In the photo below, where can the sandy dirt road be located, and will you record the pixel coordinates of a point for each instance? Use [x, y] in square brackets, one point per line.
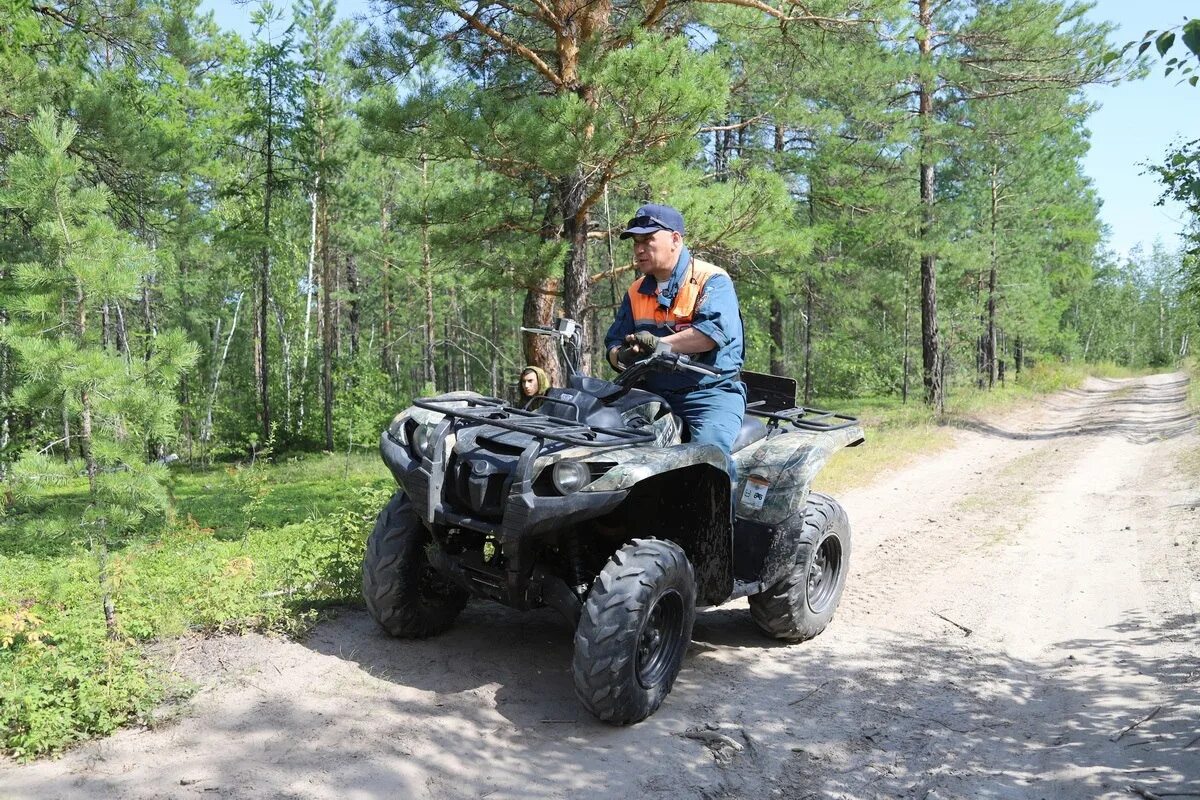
[1022, 620]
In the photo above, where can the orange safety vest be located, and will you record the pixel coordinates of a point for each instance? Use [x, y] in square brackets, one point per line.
[648, 312]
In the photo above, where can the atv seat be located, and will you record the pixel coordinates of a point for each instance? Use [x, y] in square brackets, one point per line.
[752, 430]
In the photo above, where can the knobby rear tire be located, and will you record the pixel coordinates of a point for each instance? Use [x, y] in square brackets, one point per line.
[803, 602]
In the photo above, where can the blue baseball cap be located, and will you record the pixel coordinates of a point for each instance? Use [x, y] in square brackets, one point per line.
[650, 218]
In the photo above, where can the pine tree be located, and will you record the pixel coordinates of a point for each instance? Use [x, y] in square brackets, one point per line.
[112, 404]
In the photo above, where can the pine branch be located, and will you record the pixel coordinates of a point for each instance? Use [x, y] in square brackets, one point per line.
[512, 44]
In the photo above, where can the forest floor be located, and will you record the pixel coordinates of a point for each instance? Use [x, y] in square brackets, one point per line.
[1021, 621]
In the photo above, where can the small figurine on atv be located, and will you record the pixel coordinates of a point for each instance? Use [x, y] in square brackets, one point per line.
[597, 506]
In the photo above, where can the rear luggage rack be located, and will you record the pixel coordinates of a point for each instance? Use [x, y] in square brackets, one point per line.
[809, 419]
[493, 411]
[773, 397]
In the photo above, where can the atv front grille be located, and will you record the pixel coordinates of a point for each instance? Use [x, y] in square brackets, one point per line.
[479, 483]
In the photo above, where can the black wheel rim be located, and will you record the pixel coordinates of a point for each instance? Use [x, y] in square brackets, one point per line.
[824, 573]
[660, 639]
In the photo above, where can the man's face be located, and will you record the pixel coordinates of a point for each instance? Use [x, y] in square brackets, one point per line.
[529, 384]
[656, 253]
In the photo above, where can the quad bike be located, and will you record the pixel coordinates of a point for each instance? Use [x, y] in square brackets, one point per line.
[595, 505]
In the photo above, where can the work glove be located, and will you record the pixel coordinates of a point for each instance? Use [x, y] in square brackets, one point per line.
[626, 355]
[643, 342]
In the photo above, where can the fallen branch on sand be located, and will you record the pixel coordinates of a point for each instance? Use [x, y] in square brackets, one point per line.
[962, 628]
[1117, 736]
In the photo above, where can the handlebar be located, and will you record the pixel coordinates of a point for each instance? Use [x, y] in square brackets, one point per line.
[683, 362]
[662, 359]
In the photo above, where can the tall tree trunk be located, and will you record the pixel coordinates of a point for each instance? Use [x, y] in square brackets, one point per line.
[447, 359]
[99, 541]
[907, 361]
[931, 354]
[981, 335]
[538, 312]
[494, 361]
[352, 288]
[990, 343]
[385, 277]
[206, 425]
[262, 371]
[285, 353]
[148, 312]
[990, 335]
[308, 307]
[429, 374]
[778, 367]
[122, 331]
[576, 285]
[809, 291]
[328, 321]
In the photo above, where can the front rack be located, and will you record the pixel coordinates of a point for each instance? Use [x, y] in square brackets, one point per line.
[494, 411]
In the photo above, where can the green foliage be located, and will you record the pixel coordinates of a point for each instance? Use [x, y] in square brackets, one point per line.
[330, 567]
[116, 404]
[1185, 63]
[62, 679]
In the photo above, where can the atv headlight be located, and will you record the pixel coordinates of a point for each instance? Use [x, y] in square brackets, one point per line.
[570, 476]
[421, 441]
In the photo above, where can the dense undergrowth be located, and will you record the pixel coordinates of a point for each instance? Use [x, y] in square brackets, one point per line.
[266, 548]
[261, 547]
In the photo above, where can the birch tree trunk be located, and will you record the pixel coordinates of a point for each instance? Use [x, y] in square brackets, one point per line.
[308, 306]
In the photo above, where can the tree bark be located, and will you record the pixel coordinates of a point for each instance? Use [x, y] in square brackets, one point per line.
[308, 306]
[809, 291]
[538, 312]
[989, 351]
[89, 459]
[385, 278]
[907, 360]
[262, 371]
[352, 288]
[778, 367]
[206, 425]
[428, 373]
[328, 321]
[931, 354]
[576, 286]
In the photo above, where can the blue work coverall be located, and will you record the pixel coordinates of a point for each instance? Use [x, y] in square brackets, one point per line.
[711, 406]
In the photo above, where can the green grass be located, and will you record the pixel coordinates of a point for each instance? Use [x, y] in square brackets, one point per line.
[261, 548]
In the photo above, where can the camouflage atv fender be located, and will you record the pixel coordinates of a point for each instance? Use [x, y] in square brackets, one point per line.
[632, 466]
[775, 475]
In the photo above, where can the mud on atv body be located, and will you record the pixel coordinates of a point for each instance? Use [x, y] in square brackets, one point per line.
[560, 506]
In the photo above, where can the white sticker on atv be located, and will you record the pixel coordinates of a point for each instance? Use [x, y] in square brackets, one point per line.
[755, 493]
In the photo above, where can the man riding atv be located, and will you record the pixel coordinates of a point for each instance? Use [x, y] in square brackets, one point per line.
[594, 503]
[691, 307]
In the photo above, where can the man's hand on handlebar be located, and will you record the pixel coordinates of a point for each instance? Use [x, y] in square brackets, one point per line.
[644, 343]
[626, 356]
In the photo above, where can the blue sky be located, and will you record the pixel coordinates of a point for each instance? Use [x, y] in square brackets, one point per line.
[1136, 123]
